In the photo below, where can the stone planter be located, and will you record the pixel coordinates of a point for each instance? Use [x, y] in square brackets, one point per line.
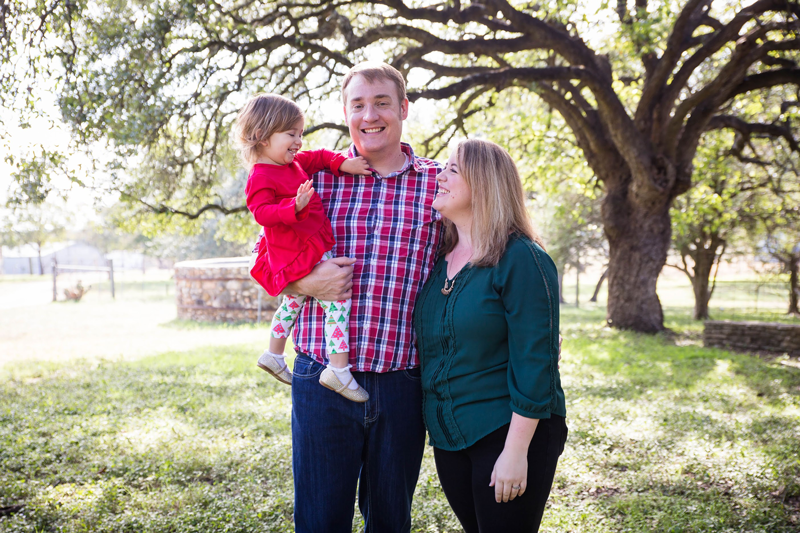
[753, 336]
[221, 290]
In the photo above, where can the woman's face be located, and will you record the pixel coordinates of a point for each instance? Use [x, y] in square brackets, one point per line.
[454, 198]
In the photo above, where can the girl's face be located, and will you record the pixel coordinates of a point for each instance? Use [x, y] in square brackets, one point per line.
[454, 196]
[282, 146]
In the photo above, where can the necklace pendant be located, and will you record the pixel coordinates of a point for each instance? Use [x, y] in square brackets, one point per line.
[448, 286]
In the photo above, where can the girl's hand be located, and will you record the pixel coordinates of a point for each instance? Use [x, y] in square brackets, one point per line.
[304, 193]
[510, 470]
[356, 165]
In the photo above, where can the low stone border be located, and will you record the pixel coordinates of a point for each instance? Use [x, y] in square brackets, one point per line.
[220, 290]
[753, 336]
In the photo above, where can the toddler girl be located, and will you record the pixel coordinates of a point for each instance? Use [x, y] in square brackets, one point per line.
[296, 234]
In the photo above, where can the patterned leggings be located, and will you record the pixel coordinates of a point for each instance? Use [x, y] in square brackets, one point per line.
[337, 319]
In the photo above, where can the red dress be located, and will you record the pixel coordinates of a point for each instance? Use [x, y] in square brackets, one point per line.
[293, 243]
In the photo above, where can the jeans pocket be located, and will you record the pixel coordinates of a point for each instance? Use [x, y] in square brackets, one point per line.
[413, 374]
[306, 368]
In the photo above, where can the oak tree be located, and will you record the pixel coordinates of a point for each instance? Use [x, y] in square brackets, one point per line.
[638, 92]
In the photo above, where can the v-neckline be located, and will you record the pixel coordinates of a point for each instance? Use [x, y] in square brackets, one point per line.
[446, 262]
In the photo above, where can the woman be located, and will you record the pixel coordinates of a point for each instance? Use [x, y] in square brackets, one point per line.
[487, 329]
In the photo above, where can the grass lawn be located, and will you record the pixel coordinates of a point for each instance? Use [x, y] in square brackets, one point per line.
[665, 435]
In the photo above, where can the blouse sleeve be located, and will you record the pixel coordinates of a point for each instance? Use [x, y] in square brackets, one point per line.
[312, 161]
[527, 281]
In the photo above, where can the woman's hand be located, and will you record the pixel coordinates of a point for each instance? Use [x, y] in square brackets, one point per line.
[355, 165]
[304, 193]
[509, 472]
[511, 468]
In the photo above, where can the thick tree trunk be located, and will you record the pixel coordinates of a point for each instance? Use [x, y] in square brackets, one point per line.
[703, 263]
[638, 239]
[794, 289]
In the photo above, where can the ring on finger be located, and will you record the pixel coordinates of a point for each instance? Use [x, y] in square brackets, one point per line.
[516, 487]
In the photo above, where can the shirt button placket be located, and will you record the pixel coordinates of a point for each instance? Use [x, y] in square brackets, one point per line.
[369, 251]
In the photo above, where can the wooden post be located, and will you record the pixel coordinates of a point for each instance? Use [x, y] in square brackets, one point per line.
[55, 275]
[111, 277]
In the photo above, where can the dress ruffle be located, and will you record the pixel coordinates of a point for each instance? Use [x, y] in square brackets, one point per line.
[303, 263]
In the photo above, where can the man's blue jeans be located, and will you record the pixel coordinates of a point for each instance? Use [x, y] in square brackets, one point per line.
[338, 444]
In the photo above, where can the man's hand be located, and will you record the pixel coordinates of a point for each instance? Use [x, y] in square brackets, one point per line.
[304, 193]
[355, 165]
[330, 280]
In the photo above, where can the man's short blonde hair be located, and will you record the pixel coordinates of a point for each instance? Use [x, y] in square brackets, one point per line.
[373, 71]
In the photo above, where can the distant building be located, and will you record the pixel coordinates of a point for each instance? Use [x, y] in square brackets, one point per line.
[25, 259]
[127, 260]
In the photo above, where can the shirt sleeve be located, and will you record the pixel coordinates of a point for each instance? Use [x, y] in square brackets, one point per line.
[527, 281]
[312, 161]
[268, 210]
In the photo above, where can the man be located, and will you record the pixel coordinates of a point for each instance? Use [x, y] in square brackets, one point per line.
[387, 236]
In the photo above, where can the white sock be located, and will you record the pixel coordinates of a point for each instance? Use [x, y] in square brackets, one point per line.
[279, 357]
[344, 376]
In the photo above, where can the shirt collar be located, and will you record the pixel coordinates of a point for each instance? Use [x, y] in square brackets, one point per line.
[411, 159]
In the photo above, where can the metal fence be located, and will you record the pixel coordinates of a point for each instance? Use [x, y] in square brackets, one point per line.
[109, 283]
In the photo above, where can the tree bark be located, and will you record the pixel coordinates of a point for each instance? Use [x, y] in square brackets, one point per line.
[703, 263]
[599, 284]
[638, 239]
[794, 290]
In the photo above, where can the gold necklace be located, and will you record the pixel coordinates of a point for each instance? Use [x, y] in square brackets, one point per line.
[450, 283]
[447, 289]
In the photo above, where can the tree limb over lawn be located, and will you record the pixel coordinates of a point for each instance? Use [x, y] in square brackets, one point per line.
[169, 83]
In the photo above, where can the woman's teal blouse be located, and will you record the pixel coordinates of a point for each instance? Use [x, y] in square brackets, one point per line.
[490, 348]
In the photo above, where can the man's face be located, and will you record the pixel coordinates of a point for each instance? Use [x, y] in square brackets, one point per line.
[375, 115]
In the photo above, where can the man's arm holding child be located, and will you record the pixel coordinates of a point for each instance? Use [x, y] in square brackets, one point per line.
[330, 280]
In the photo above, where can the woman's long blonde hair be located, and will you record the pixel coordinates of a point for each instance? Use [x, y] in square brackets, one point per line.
[498, 201]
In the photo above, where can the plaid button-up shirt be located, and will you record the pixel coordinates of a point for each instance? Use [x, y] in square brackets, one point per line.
[388, 225]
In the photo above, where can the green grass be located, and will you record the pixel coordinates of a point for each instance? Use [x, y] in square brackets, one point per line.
[665, 435]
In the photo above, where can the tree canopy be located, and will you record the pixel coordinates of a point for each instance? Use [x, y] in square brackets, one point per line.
[638, 85]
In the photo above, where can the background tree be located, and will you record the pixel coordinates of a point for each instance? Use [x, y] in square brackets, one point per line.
[162, 79]
[778, 237]
[785, 247]
[733, 191]
[573, 230]
[35, 225]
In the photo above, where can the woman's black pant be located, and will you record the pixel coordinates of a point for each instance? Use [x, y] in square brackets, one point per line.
[465, 477]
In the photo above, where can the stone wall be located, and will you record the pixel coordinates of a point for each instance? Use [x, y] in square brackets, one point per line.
[753, 336]
[220, 290]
